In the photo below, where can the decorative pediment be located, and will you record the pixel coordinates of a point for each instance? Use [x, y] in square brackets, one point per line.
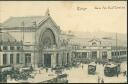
[94, 42]
[50, 22]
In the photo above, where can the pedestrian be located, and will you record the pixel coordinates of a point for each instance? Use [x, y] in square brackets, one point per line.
[98, 79]
[51, 69]
[103, 64]
[117, 74]
[102, 81]
[39, 71]
[46, 69]
[124, 73]
[96, 62]
[82, 66]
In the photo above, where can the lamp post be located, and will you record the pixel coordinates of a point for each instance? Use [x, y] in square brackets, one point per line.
[22, 29]
[117, 49]
[35, 26]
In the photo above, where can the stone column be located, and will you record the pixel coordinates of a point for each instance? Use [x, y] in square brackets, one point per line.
[32, 58]
[70, 57]
[62, 55]
[0, 59]
[41, 58]
[87, 54]
[90, 54]
[22, 56]
[14, 58]
[109, 56]
[8, 58]
[65, 57]
[60, 59]
[53, 59]
[98, 54]
[36, 60]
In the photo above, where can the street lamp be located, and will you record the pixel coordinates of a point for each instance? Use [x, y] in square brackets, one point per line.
[22, 41]
[35, 26]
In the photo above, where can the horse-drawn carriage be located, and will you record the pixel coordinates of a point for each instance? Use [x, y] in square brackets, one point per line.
[62, 78]
[4, 71]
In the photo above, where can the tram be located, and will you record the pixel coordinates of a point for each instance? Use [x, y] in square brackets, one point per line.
[111, 70]
[92, 68]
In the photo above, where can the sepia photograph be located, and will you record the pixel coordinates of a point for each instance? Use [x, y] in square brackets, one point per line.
[63, 41]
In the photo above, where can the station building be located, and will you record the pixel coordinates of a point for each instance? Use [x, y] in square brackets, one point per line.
[96, 49]
[38, 41]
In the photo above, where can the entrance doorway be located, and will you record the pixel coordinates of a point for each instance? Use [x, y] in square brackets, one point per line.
[104, 55]
[94, 54]
[67, 58]
[57, 59]
[47, 60]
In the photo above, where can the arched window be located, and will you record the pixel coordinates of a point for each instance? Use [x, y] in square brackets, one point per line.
[104, 55]
[11, 58]
[4, 59]
[94, 43]
[27, 58]
[17, 58]
[47, 39]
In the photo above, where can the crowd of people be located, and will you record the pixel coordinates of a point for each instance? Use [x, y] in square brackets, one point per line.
[25, 75]
[118, 72]
[16, 74]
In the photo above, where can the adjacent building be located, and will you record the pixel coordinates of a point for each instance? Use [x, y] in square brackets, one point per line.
[96, 49]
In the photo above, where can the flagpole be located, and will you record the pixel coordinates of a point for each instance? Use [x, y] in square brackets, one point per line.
[116, 46]
[35, 25]
[22, 37]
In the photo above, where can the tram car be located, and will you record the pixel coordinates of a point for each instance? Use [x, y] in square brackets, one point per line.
[92, 68]
[111, 70]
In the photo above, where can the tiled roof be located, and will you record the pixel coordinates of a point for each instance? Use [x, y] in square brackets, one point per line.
[7, 39]
[119, 47]
[107, 39]
[104, 42]
[18, 21]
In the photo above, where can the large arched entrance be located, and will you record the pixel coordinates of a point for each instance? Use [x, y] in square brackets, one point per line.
[47, 39]
[47, 43]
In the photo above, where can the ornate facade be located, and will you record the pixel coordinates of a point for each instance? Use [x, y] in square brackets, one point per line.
[96, 50]
[41, 38]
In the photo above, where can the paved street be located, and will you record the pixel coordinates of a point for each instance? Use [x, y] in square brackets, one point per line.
[79, 75]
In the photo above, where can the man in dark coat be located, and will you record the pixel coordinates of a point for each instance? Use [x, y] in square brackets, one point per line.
[98, 79]
[102, 81]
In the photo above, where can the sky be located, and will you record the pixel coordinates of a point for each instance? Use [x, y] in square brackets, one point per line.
[73, 15]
